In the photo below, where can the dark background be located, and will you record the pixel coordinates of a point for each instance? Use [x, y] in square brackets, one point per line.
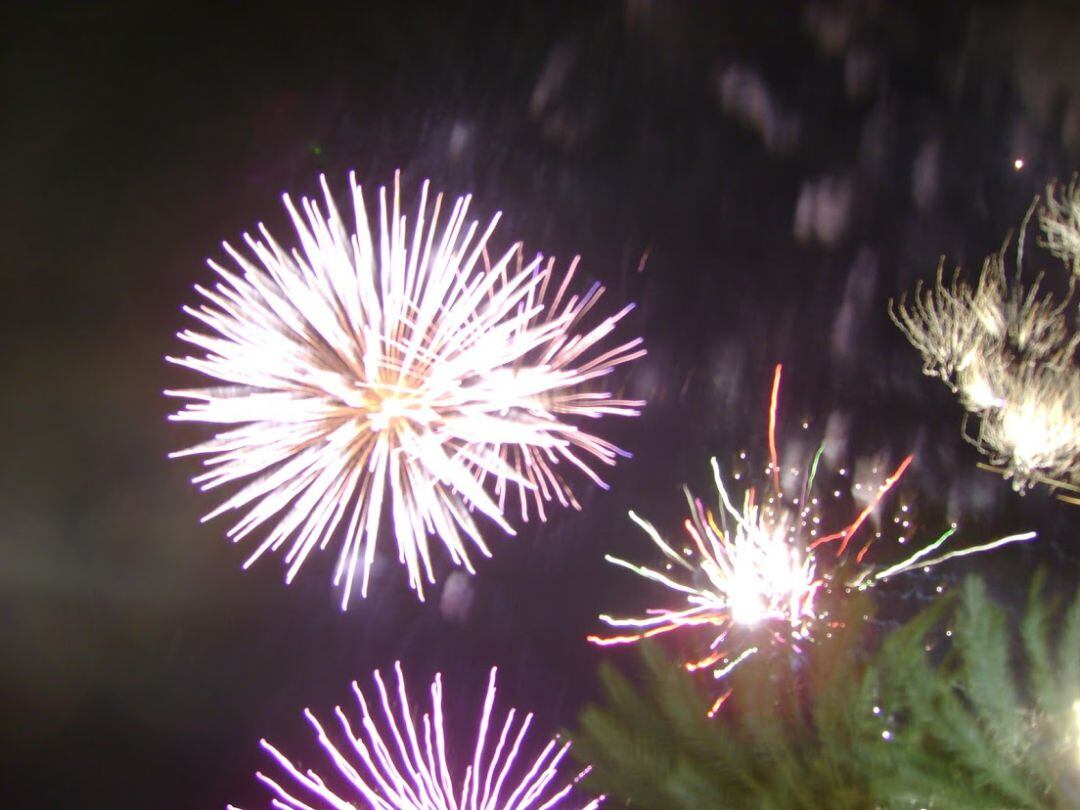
[138, 665]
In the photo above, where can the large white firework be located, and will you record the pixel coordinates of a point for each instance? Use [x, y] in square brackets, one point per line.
[406, 766]
[398, 366]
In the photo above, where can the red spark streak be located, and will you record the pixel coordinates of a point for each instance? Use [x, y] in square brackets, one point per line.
[719, 703]
[707, 661]
[849, 532]
[772, 427]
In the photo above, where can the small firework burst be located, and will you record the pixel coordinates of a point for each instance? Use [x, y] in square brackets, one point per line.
[748, 572]
[406, 766]
[403, 367]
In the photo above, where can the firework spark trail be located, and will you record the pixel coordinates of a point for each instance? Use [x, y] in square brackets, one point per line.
[718, 704]
[917, 560]
[405, 767]
[397, 371]
[773, 458]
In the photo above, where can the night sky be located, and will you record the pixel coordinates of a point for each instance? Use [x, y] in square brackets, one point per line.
[139, 666]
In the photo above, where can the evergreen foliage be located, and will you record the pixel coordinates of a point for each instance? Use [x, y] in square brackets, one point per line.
[960, 707]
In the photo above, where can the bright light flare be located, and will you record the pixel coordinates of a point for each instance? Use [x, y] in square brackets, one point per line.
[395, 369]
[404, 765]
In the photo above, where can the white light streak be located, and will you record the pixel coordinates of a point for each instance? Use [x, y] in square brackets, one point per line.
[917, 560]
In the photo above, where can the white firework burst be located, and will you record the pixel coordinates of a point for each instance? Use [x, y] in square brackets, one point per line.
[398, 366]
[1007, 349]
[406, 766]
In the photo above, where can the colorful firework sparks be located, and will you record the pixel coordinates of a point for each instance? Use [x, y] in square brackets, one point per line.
[759, 571]
[749, 571]
[405, 369]
[406, 766]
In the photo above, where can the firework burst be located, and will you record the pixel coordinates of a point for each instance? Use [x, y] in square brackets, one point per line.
[755, 577]
[406, 766]
[1007, 350]
[398, 366]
